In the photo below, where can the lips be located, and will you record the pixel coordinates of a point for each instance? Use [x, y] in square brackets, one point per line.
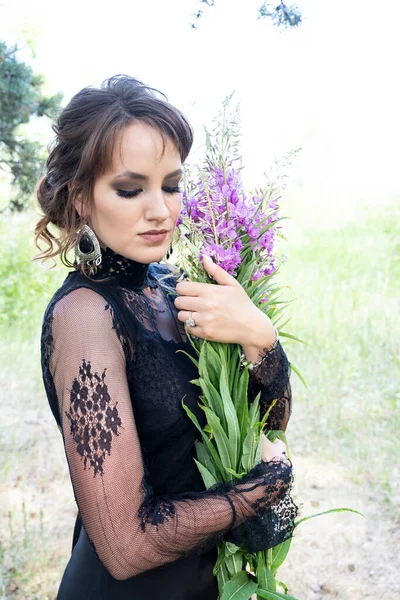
[154, 232]
[158, 237]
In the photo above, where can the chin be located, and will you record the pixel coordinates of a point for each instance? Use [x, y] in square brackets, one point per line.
[152, 255]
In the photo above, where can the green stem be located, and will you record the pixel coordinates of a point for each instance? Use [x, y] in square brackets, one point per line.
[211, 211]
[269, 557]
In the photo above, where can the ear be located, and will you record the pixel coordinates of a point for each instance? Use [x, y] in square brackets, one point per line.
[80, 206]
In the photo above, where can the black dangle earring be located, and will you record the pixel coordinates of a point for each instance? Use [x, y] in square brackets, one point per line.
[87, 249]
[169, 251]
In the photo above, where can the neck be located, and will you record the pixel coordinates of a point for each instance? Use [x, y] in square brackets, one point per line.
[121, 270]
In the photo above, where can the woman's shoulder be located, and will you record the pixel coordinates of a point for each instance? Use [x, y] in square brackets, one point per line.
[77, 296]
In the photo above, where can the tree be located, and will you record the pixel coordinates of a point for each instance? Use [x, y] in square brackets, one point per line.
[282, 14]
[21, 99]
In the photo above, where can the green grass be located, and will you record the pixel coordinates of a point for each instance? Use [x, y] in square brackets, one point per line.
[345, 281]
[27, 550]
[26, 286]
[346, 285]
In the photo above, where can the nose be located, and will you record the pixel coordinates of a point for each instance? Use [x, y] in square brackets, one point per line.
[157, 209]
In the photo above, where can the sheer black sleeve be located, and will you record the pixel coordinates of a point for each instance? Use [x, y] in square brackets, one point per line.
[132, 529]
[272, 379]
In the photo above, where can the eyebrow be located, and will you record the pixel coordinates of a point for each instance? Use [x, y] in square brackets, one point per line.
[140, 177]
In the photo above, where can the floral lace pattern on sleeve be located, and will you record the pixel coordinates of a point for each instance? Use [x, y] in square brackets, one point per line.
[93, 417]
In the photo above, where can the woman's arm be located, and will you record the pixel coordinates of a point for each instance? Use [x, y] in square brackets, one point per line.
[272, 379]
[131, 529]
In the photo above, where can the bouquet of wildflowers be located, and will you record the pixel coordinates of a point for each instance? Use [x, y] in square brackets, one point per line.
[238, 231]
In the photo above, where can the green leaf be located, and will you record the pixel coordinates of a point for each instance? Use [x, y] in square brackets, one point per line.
[196, 382]
[208, 479]
[235, 473]
[273, 595]
[240, 587]
[249, 446]
[264, 576]
[326, 512]
[254, 412]
[204, 457]
[212, 450]
[220, 437]
[282, 585]
[222, 351]
[234, 563]
[222, 578]
[279, 554]
[282, 325]
[232, 548]
[213, 364]
[214, 399]
[266, 217]
[194, 361]
[300, 376]
[202, 359]
[270, 580]
[241, 404]
[220, 559]
[267, 412]
[235, 368]
[259, 286]
[231, 418]
[269, 226]
[244, 277]
[238, 561]
[258, 449]
[293, 337]
[232, 374]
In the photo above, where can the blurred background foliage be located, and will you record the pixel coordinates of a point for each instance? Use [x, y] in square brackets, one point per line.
[340, 263]
[21, 101]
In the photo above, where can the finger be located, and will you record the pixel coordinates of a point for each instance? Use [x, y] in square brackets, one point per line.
[188, 303]
[192, 288]
[195, 330]
[218, 273]
[183, 315]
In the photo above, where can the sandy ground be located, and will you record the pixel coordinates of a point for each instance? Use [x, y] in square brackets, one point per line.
[342, 556]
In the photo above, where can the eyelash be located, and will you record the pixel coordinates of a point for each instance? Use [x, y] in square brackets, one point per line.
[132, 194]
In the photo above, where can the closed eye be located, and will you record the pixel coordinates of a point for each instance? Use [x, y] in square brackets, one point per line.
[133, 193]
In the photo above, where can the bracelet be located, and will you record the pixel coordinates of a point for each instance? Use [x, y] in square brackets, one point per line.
[251, 365]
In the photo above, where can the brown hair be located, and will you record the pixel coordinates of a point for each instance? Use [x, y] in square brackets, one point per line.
[85, 134]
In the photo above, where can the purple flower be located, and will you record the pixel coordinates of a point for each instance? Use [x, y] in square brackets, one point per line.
[222, 215]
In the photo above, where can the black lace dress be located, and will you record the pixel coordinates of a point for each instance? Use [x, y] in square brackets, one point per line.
[147, 529]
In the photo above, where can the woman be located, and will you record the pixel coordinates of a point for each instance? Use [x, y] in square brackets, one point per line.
[146, 527]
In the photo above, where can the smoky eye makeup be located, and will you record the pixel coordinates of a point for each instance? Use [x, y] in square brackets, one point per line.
[128, 185]
[125, 192]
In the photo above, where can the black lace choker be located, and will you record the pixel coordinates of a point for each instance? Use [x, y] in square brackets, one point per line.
[122, 270]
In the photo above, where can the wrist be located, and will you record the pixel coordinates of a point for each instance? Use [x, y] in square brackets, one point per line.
[256, 354]
[262, 335]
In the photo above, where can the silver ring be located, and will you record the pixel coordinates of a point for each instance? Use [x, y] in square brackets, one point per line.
[190, 322]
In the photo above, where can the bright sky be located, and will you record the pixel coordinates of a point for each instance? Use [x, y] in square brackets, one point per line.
[330, 86]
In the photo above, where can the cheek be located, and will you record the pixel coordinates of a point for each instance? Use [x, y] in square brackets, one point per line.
[176, 206]
[111, 208]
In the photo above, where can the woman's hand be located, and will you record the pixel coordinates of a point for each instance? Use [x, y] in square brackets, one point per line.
[270, 450]
[224, 312]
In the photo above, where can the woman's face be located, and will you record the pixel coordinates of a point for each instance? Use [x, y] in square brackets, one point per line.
[139, 194]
